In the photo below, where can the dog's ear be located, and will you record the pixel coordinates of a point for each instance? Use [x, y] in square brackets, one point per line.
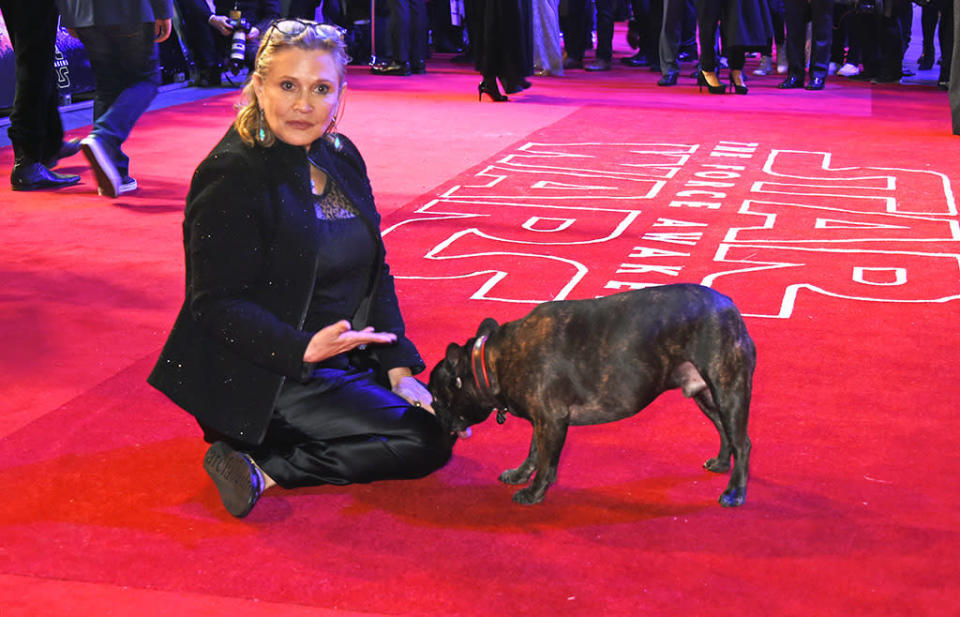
[453, 354]
[487, 326]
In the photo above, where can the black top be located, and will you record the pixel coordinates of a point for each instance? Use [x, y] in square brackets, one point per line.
[253, 256]
[347, 253]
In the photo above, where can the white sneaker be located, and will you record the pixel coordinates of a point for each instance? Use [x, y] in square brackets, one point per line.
[832, 68]
[766, 66]
[108, 178]
[127, 185]
[849, 70]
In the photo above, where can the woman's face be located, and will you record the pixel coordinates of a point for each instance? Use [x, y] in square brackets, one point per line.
[299, 95]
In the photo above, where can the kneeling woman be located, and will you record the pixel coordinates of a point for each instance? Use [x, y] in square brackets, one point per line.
[289, 299]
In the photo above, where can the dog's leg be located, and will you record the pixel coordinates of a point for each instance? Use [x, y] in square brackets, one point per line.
[549, 438]
[721, 462]
[733, 405]
[523, 473]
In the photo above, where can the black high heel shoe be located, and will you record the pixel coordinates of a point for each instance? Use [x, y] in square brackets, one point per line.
[740, 88]
[702, 81]
[492, 91]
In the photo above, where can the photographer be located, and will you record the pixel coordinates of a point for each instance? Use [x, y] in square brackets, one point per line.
[210, 34]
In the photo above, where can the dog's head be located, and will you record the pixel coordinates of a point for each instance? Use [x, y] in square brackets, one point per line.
[457, 400]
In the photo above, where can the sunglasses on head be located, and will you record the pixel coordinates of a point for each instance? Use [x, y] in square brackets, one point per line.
[295, 27]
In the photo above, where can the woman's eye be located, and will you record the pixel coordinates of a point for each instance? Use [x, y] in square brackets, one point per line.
[287, 85]
[323, 89]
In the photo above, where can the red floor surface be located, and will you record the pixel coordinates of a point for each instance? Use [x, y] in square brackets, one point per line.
[829, 217]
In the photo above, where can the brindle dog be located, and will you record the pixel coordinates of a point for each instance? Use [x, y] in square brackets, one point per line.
[581, 362]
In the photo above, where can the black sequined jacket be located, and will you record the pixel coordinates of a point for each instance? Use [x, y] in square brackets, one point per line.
[250, 243]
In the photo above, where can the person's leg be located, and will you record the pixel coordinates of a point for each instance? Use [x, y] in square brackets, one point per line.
[573, 16]
[708, 16]
[605, 9]
[35, 130]
[670, 33]
[796, 33]
[125, 65]
[400, 29]
[954, 82]
[946, 41]
[418, 35]
[355, 431]
[821, 37]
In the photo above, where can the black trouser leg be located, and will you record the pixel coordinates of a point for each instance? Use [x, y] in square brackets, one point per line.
[821, 36]
[35, 127]
[605, 17]
[708, 17]
[400, 29]
[356, 431]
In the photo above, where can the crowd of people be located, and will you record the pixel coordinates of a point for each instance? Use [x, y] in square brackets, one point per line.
[506, 40]
[812, 39]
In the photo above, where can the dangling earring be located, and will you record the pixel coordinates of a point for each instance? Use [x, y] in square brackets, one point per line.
[261, 133]
[332, 127]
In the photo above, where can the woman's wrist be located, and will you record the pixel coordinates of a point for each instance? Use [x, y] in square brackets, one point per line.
[396, 374]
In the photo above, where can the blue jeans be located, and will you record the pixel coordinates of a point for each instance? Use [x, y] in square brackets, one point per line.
[125, 64]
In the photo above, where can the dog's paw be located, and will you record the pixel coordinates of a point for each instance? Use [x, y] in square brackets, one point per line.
[717, 465]
[528, 496]
[733, 497]
[516, 476]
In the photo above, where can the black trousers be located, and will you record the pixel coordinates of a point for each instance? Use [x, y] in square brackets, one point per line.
[575, 25]
[821, 16]
[36, 130]
[343, 428]
[408, 30]
[708, 19]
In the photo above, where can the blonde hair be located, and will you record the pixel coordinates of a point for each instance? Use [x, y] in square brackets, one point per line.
[250, 123]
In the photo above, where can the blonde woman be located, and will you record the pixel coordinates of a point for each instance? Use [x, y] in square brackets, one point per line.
[283, 260]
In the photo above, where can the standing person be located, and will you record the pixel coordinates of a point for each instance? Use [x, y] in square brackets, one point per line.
[500, 49]
[408, 39]
[746, 25]
[821, 39]
[120, 38]
[36, 130]
[283, 252]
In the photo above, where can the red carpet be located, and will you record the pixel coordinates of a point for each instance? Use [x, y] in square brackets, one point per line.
[829, 217]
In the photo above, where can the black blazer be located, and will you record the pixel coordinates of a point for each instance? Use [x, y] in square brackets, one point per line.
[250, 243]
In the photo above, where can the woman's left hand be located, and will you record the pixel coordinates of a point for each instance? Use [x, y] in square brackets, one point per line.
[407, 386]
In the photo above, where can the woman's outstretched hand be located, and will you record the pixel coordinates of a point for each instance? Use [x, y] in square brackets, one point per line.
[338, 338]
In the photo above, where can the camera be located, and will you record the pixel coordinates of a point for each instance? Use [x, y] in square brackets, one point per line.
[238, 40]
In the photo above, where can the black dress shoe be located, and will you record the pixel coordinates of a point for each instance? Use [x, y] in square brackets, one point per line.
[418, 67]
[67, 149]
[816, 83]
[393, 68]
[236, 476]
[35, 177]
[668, 79]
[792, 81]
[637, 59]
